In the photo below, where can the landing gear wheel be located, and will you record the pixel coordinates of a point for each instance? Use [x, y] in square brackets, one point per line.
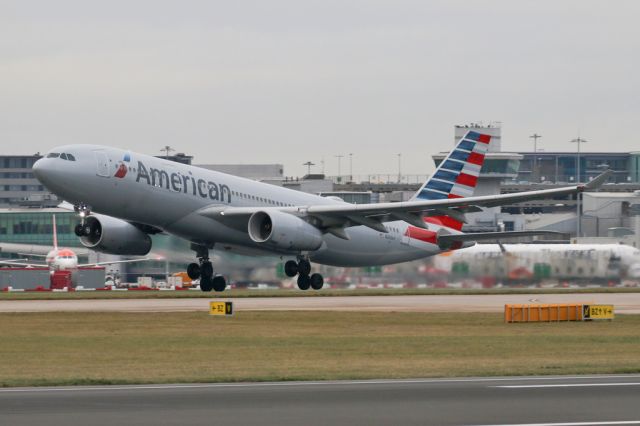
[304, 282]
[193, 270]
[291, 268]
[79, 230]
[206, 283]
[219, 283]
[206, 269]
[316, 281]
[304, 267]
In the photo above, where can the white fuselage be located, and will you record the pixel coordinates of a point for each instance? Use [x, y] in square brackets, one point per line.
[565, 261]
[168, 195]
[62, 260]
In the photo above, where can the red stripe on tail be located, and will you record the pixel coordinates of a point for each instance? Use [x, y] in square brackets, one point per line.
[484, 138]
[468, 180]
[475, 158]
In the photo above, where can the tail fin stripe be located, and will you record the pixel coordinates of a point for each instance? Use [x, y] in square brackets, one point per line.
[463, 191]
[459, 155]
[481, 148]
[475, 136]
[439, 186]
[467, 145]
[445, 175]
[471, 169]
[475, 158]
[468, 180]
[432, 195]
[452, 165]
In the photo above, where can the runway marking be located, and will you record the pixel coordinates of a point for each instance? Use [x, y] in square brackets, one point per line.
[566, 385]
[627, 422]
[316, 383]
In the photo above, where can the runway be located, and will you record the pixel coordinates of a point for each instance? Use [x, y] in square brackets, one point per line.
[552, 401]
[625, 303]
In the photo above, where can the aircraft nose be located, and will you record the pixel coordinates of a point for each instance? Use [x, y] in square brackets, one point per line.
[45, 170]
[39, 169]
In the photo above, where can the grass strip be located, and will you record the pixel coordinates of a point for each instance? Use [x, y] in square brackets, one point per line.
[64, 348]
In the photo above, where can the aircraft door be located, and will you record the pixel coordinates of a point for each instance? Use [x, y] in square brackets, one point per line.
[102, 163]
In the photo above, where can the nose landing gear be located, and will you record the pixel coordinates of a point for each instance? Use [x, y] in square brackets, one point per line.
[204, 270]
[302, 268]
[82, 229]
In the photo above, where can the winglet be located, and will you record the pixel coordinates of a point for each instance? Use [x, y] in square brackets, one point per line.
[598, 181]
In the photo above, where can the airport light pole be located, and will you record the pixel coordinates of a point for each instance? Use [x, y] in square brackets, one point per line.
[339, 157]
[308, 164]
[399, 167]
[351, 167]
[167, 149]
[534, 172]
[578, 140]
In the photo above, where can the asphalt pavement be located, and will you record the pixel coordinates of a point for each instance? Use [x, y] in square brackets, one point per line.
[625, 303]
[552, 401]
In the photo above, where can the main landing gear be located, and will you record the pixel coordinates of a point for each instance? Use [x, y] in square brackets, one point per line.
[204, 270]
[302, 268]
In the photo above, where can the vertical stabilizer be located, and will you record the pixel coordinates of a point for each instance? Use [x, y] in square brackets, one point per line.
[55, 234]
[457, 175]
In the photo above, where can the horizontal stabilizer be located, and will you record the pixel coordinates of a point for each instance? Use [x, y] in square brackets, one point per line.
[480, 236]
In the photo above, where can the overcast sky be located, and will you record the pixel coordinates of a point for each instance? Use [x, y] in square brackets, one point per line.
[292, 81]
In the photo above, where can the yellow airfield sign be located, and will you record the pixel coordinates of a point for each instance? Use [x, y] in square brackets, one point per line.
[221, 308]
[590, 312]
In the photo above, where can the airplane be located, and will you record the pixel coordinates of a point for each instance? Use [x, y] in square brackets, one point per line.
[123, 197]
[56, 258]
[586, 262]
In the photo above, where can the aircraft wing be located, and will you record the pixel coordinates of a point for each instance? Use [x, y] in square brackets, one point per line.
[37, 250]
[113, 262]
[334, 217]
[23, 264]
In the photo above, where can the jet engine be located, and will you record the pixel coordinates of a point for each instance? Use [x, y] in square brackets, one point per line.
[113, 236]
[284, 231]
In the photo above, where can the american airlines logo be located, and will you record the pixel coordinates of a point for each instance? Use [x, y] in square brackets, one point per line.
[186, 184]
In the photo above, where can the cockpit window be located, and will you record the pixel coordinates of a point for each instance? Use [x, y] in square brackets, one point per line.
[63, 156]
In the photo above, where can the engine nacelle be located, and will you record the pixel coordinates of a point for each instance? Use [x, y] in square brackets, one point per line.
[284, 231]
[114, 236]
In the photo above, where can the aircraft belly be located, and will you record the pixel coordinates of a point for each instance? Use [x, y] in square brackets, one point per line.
[197, 228]
[366, 248]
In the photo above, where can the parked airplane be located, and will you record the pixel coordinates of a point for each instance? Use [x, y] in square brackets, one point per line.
[137, 195]
[535, 262]
[56, 259]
